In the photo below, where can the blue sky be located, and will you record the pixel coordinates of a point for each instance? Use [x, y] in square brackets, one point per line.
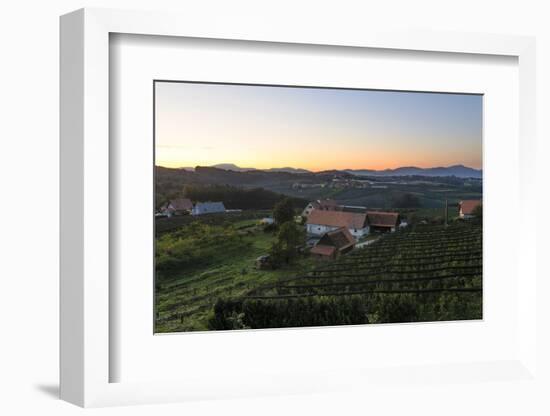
[314, 128]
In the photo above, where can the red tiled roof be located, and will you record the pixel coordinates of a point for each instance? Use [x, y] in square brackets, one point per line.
[323, 250]
[383, 219]
[468, 205]
[182, 204]
[337, 218]
[314, 204]
[340, 238]
[326, 203]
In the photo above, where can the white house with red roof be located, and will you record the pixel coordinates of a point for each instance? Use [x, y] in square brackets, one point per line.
[179, 206]
[320, 222]
[321, 204]
[358, 224]
[467, 207]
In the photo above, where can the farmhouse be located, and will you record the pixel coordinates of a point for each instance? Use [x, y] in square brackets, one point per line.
[320, 222]
[310, 207]
[178, 206]
[333, 244]
[466, 208]
[202, 208]
[383, 221]
[321, 204]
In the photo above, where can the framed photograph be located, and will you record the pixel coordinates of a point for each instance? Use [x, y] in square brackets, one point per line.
[267, 217]
[319, 199]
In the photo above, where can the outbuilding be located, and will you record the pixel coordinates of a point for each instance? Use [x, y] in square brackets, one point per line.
[333, 244]
[202, 208]
[383, 221]
[466, 208]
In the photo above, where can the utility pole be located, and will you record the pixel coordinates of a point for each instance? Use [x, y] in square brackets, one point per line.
[446, 212]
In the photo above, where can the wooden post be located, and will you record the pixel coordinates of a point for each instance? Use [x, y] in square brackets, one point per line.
[446, 212]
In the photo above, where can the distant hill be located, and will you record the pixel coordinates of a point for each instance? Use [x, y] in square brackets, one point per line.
[459, 171]
[287, 170]
[231, 166]
[235, 168]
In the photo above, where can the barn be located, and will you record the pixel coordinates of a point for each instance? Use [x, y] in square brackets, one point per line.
[383, 221]
[333, 244]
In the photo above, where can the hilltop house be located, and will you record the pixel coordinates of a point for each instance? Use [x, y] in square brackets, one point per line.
[202, 208]
[180, 206]
[320, 222]
[333, 244]
[466, 208]
[383, 221]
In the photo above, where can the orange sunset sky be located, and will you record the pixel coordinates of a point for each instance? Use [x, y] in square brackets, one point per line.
[313, 128]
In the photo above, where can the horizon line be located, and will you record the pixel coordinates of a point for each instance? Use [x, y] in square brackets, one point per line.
[217, 166]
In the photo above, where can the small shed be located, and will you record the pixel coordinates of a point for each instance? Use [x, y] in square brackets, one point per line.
[383, 221]
[263, 262]
[333, 244]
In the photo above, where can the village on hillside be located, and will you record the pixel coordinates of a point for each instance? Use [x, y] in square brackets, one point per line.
[206, 253]
[331, 229]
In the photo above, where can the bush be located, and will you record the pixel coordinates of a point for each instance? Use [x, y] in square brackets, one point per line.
[281, 313]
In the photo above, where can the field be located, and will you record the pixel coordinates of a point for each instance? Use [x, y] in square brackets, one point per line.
[200, 259]
[239, 219]
[207, 279]
[386, 194]
[425, 273]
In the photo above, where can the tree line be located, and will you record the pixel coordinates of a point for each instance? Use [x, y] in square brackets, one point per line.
[231, 196]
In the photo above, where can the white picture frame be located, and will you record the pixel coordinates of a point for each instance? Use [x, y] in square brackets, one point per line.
[85, 216]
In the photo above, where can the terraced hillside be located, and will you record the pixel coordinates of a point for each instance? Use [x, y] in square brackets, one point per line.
[425, 273]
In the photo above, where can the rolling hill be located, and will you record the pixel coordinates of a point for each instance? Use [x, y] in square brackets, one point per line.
[459, 171]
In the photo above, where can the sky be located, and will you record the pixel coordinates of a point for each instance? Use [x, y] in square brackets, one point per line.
[314, 128]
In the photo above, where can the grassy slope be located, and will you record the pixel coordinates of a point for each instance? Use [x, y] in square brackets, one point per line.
[185, 299]
[163, 225]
